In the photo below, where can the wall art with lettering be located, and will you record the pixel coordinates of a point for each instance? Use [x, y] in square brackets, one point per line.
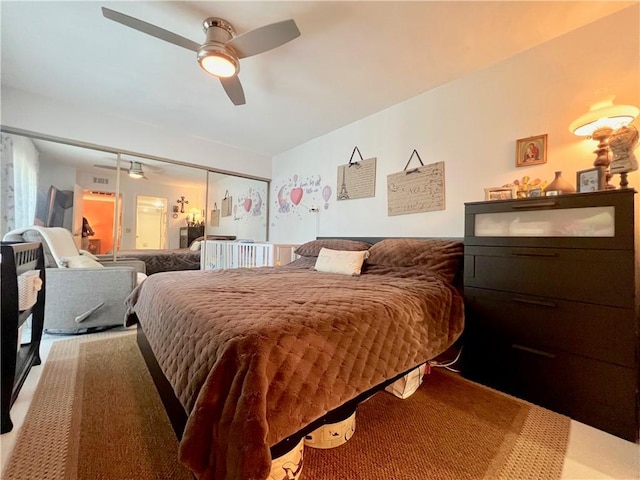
[418, 190]
[357, 180]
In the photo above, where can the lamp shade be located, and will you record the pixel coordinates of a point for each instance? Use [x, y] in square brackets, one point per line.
[603, 114]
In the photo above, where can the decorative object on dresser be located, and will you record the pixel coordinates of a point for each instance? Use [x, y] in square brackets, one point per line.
[591, 179]
[531, 151]
[527, 187]
[551, 293]
[20, 301]
[559, 185]
[622, 143]
[500, 193]
[599, 123]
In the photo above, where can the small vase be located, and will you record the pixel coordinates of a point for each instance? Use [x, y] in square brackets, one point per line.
[560, 185]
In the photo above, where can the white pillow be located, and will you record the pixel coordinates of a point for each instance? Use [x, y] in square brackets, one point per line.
[79, 261]
[88, 254]
[340, 261]
[195, 246]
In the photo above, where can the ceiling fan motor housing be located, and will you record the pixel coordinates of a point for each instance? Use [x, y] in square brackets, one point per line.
[218, 32]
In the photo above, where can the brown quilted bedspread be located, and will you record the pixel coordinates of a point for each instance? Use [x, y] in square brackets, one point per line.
[254, 355]
[165, 260]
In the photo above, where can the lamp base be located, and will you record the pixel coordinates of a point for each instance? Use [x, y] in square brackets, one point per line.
[603, 153]
[624, 182]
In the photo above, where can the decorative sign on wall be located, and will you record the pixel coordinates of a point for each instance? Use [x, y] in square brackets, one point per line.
[357, 179]
[226, 204]
[214, 219]
[417, 190]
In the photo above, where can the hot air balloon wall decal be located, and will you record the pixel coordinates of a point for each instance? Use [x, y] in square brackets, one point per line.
[299, 195]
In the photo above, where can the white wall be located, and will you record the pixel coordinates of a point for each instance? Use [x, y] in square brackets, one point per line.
[472, 125]
[42, 115]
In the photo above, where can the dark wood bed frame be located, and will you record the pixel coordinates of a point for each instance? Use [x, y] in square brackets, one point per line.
[178, 416]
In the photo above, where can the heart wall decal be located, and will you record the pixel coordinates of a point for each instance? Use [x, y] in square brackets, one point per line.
[296, 195]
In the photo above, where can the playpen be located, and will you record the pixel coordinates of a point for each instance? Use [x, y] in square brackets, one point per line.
[219, 254]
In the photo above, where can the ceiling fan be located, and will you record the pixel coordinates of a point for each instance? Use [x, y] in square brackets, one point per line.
[221, 51]
[134, 171]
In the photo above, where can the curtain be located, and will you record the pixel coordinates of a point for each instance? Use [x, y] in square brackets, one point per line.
[7, 197]
[18, 192]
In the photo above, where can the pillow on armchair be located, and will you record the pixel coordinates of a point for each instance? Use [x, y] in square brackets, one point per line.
[79, 261]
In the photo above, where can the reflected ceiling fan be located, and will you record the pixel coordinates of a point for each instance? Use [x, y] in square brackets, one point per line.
[222, 50]
[134, 171]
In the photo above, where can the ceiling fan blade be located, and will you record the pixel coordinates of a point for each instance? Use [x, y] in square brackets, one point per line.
[234, 90]
[149, 29]
[265, 38]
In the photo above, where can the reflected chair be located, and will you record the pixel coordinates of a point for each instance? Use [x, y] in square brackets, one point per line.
[83, 294]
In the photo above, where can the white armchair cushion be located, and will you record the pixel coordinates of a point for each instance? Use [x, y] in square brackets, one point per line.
[78, 261]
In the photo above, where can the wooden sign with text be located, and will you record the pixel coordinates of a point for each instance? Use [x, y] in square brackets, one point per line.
[417, 190]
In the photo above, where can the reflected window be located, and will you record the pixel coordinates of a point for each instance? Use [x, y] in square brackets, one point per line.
[19, 164]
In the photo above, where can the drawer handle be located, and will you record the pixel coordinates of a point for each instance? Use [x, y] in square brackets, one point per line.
[531, 301]
[535, 254]
[535, 351]
[541, 204]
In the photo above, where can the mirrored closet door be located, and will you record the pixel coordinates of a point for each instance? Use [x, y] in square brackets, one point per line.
[126, 202]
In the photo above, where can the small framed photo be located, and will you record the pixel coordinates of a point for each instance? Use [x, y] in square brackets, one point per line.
[500, 193]
[531, 151]
[551, 193]
[535, 192]
[590, 180]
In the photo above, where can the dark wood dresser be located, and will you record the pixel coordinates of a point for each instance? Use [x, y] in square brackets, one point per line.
[551, 291]
[189, 234]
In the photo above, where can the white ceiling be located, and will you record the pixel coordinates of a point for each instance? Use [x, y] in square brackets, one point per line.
[352, 59]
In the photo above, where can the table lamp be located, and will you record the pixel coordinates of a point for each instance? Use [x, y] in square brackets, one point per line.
[599, 123]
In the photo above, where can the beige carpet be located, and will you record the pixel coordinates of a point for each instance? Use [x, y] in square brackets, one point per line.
[96, 416]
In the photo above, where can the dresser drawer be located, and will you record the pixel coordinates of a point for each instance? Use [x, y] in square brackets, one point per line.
[598, 220]
[602, 332]
[593, 276]
[590, 391]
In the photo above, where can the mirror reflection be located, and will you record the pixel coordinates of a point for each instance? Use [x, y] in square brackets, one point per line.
[120, 205]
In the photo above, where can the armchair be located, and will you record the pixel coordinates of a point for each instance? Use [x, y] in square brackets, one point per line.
[82, 294]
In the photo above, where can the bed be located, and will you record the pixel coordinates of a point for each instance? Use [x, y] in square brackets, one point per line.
[164, 260]
[258, 357]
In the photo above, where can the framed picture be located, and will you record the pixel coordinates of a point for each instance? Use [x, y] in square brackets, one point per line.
[590, 180]
[531, 151]
[500, 193]
[535, 192]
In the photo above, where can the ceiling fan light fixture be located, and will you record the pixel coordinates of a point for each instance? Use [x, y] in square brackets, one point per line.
[217, 61]
[136, 170]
